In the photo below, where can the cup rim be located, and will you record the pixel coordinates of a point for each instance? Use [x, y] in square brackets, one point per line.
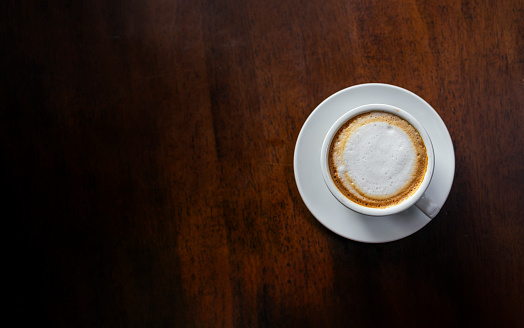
[324, 159]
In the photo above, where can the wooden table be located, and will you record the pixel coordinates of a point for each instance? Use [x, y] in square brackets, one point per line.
[148, 160]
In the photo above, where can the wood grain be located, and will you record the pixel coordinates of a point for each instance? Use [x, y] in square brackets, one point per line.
[148, 163]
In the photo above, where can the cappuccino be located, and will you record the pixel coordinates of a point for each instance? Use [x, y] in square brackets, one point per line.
[377, 159]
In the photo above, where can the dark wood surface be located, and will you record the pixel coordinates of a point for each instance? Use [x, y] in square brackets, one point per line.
[148, 163]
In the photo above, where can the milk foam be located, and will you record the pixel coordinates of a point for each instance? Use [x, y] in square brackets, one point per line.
[378, 159]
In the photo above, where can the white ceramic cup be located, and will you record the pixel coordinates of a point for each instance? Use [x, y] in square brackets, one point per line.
[418, 198]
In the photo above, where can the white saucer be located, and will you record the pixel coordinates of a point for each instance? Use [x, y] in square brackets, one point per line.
[321, 202]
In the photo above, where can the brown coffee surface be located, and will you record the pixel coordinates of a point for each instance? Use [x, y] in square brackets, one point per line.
[351, 179]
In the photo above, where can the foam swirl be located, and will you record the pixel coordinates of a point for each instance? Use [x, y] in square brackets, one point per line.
[378, 159]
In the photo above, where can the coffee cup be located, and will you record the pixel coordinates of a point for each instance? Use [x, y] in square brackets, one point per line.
[378, 160]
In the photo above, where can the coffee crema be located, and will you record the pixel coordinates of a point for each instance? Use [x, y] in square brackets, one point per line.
[377, 159]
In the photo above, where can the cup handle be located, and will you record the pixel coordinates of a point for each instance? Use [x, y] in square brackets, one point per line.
[427, 206]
